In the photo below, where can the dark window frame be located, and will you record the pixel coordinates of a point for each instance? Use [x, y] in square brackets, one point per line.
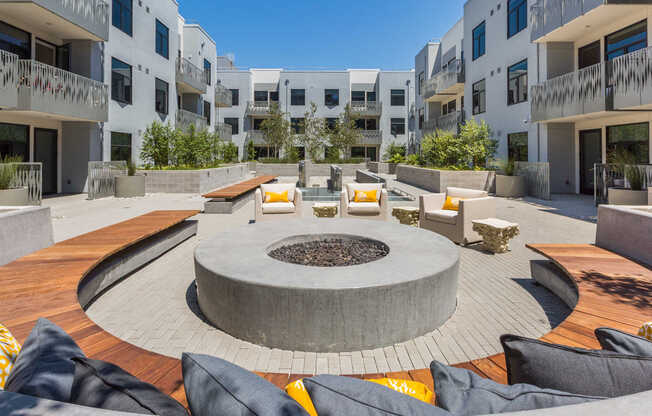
[27, 150]
[235, 97]
[397, 98]
[296, 125]
[398, 126]
[626, 47]
[521, 21]
[130, 98]
[519, 97]
[122, 146]
[208, 72]
[206, 111]
[162, 39]
[260, 93]
[158, 81]
[329, 101]
[123, 5]
[298, 97]
[481, 37]
[514, 149]
[235, 126]
[646, 153]
[24, 53]
[580, 60]
[479, 94]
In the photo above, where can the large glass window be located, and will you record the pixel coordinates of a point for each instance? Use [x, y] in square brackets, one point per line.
[589, 55]
[234, 122]
[633, 138]
[207, 111]
[479, 38]
[398, 126]
[260, 96]
[296, 124]
[258, 122]
[208, 72]
[120, 146]
[516, 16]
[398, 98]
[15, 41]
[332, 98]
[273, 96]
[479, 97]
[358, 96]
[162, 40]
[627, 40]
[371, 96]
[162, 93]
[517, 83]
[421, 81]
[120, 81]
[235, 97]
[517, 147]
[298, 97]
[14, 140]
[122, 16]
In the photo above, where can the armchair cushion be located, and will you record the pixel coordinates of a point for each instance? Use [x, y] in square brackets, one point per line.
[463, 193]
[352, 187]
[279, 188]
[452, 204]
[278, 208]
[364, 208]
[271, 197]
[443, 215]
[365, 196]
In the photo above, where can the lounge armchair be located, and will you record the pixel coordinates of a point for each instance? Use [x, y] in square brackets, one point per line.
[378, 210]
[456, 225]
[277, 210]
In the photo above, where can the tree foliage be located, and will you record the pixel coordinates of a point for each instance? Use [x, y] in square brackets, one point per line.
[345, 133]
[276, 129]
[471, 149]
[314, 130]
[157, 140]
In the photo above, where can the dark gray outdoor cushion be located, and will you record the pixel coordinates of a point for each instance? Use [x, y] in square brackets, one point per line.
[106, 386]
[14, 404]
[339, 396]
[216, 387]
[464, 393]
[623, 343]
[575, 370]
[44, 367]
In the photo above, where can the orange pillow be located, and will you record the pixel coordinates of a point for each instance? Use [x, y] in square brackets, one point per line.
[365, 196]
[271, 197]
[452, 204]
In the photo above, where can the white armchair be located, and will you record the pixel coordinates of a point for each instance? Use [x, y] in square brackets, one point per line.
[276, 210]
[367, 210]
[456, 225]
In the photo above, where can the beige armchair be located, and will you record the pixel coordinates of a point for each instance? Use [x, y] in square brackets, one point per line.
[366, 210]
[456, 225]
[277, 210]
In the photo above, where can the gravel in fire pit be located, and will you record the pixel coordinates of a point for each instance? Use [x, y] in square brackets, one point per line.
[331, 252]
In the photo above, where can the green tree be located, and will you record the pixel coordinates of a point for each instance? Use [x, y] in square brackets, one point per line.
[472, 148]
[229, 152]
[314, 129]
[478, 142]
[157, 140]
[192, 148]
[251, 151]
[345, 133]
[276, 129]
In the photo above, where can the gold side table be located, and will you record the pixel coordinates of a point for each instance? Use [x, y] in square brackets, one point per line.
[407, 215]
[325, 210]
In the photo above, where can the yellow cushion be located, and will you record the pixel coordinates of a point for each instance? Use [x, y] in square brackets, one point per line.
[272, 197]
[365, 196]
[411, 388]
[299, 393]
[9, 349]
[452, 203]
[646, 331]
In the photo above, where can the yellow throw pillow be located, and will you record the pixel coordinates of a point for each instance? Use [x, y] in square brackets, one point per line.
[271, 197]
[411, 388]
[452, 204]
[9, 349]
[365, 196]
[299, 393]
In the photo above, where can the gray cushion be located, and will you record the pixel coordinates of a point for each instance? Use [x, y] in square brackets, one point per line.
[464, 393]
[44, 367]
[216, 387]
[339, 396]
[623, 343]
[14, 404]
[107, 386]
[575, 370]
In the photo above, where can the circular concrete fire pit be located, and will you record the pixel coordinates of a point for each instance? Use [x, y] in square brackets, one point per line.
[407, 292]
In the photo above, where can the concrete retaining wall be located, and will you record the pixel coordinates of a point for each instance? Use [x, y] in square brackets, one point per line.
[193, 181]
[277, 169]
[24, 231]
[312, 169]
[365, 176]
[626, 231]
[438, 180]
[382, 167]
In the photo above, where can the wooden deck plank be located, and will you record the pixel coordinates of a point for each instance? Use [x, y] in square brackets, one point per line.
[239, 189]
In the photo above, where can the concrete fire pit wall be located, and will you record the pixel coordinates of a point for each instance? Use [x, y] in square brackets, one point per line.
[626, 230]
[24, 230]
[438, 180]
[193, 181]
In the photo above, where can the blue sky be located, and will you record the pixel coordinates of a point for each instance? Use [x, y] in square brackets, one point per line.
[327, 34]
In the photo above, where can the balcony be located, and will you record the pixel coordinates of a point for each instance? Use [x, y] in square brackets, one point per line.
[190, 78]
[368, 108]
[568, 20]
[59, 94]
[223, 96]
[371, 137]
[259, 108]
[446, 83]
[225, 131]
[186, 118]
[447, 123]
[8, 80]
[256, 136]
[67, 19]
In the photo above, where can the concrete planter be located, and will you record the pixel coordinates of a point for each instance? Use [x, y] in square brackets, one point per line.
[193, 181]
[14, 197]
[625, 230]
[511, 186]
[129, 186]
[437, 181]
[624, 196]
[24, 231]
[382, 167]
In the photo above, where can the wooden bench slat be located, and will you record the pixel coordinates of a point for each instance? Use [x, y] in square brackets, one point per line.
[239, 189]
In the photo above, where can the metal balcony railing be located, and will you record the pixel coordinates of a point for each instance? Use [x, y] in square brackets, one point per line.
[223, 96]
[367, 108]
[225, 131]
[445, 79]
[372, 137]
[191, 76]
[259, 108]
[8, 79]
[186, 118]
[447, 123]
[549, 15]
[45, 89]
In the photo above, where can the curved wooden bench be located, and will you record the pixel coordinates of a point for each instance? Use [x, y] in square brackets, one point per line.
[239, 189]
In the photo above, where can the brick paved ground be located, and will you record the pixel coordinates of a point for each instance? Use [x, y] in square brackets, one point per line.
[156, 309]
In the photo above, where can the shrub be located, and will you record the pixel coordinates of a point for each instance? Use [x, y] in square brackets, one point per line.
[229, 152]
[251, 151]
[156, 144]
[471, 149]
[394, 150]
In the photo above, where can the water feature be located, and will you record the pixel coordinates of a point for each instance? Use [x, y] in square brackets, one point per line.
[325, 195]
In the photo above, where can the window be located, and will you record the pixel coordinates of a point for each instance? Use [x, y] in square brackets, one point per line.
[332, 98]
[358, 96]
[161, 98]
[14, 140]
[589, 55]
[517, 147]
[627, 40]
[371, 96]
[421, 118]
[330, 123]
[479, 97]
[298, 97]
[15, 41]
[234, 123]
[260, 96]
[449, 107]
[360, 124]
[421, 81]
[371, 124]
[162, 40]
[516, 16]
[207, 112]
[479, 41]
[207, 72]
[257, 123]
[120, 81]
[398, 97]
[235, 98]
[296, 125]
[517, 83]
[120, 146]
[357, 152]
[122, 17]
[398, 126]
[273, 96]
[634, 138]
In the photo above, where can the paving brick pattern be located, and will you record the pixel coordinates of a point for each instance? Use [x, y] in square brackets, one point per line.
[156, 309]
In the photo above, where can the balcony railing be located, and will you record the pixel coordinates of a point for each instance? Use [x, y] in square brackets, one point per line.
[259, 108]
[225, 131]
[191, 76]
[8, 79]
[447, 123]
[549, 15]
[223, 96]
[372, 137]
[186, 118]
[443, 81]
[368, 108]
[45, 89]
[256, 136]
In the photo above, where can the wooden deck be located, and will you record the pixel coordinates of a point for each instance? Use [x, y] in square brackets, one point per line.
[239, 189]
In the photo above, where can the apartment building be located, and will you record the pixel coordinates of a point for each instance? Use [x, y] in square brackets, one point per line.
[383, 100]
